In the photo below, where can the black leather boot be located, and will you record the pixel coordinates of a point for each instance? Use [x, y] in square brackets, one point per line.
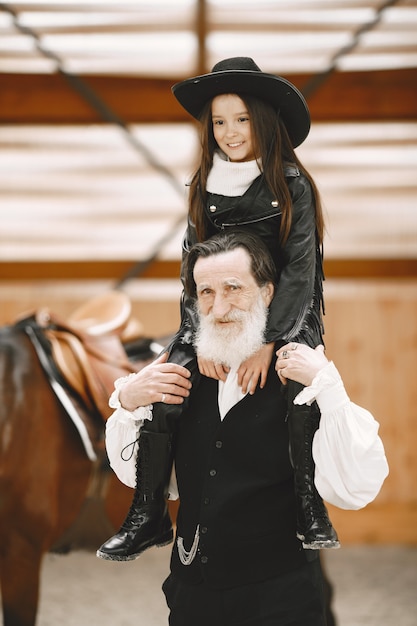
[148, 522]
[314, 527]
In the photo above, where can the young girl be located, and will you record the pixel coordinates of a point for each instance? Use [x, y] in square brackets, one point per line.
[248, 178]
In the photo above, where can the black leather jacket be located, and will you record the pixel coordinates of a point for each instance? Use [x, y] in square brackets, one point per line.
[296, 309]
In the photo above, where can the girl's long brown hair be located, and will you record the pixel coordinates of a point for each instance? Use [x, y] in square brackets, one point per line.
[274, 149]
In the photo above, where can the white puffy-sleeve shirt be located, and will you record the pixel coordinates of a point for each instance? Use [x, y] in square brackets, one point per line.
[350, 460]
[349, 455]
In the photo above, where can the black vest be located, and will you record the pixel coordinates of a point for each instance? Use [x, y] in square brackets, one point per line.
[236, 481]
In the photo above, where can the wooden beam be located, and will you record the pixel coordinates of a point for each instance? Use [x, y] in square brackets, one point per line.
[115, 270]
[349, 96]
[201, 32]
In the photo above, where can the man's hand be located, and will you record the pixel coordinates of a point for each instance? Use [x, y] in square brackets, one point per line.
[299, 362]
[157, 382]
[255, 369]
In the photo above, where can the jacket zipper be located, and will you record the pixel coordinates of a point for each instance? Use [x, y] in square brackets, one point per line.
[261, 219]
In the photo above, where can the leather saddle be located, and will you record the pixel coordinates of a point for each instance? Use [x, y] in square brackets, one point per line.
[87, 347]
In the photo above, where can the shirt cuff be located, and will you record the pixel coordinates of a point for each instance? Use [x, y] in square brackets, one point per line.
[326, 388]
[123, 415]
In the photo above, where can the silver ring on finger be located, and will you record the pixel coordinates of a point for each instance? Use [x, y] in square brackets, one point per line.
[294, 346]
[285, 354]
[163, 397]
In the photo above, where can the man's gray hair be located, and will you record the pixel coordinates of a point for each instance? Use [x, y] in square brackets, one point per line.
[261, 263]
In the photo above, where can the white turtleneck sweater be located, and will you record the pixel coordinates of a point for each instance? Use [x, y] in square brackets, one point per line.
[230, 178]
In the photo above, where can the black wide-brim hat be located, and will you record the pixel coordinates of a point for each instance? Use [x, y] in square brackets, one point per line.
[241, 76]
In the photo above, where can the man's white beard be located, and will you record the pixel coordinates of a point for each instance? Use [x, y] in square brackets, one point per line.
[232, 344]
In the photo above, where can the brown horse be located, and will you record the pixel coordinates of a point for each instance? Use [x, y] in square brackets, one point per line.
[46, 479]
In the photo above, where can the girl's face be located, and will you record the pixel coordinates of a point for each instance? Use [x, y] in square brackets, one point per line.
[232, 128]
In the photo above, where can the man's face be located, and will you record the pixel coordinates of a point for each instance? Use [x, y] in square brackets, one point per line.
[225, 284]
[232, 308]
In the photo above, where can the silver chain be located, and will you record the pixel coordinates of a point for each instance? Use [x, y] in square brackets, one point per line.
[187, 556]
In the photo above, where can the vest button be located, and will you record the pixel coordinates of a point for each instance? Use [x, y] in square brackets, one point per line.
[204, 530]
[213, 472]
[204, 559]
[212, 208]
[206, 501]
[274, 203]
[219, 444]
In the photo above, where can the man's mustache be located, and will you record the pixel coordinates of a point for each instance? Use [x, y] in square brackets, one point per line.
[233, 316]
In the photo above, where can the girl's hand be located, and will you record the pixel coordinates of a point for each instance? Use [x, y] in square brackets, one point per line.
[255, 369]
[211, 369]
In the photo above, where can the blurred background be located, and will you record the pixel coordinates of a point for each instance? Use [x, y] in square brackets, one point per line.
[95, 153]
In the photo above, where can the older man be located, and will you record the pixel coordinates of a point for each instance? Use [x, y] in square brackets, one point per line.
[236, 559]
